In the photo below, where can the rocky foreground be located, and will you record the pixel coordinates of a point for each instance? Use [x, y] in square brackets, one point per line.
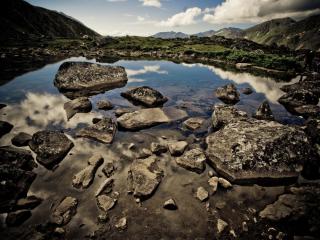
[237, 151]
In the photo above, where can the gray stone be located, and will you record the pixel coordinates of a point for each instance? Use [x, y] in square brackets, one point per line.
[105, 203]
[158, 148]
[194, 123]
[221, 225]
[222, 115]
[121, 224]
[224, 183]
[78, 105]
[108, 169]
[177, 148]
[170, 204]
[228, 94]
[64, 212]
[21, 139]
[17, 157]
[264, 112]
[105, 187]
[307, 111]
[202, 194]
[120, 111]
[213, 182]
[247, 91]
[193, 160]
[104, 105]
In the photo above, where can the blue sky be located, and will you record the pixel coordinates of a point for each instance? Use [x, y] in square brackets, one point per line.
[147, 17]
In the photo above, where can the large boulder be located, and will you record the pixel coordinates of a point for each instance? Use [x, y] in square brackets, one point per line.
[51, 147]
[78, 105]
[19, 158]
[145, 118]
[145, 96]
[21, 139]
[103, 131]
[252, 150]
[222, 115]
[5, 128]
[228, 94]
[144, 177]
[76, 79]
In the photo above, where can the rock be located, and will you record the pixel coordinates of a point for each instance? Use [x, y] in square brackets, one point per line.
[228, 94]
[5, 128]
[105, 203]
[15, 219]
[108, 169]
[224, 183]
[105, 187]
[243, 65]
[29, 202]
[120, 111]
[213, 182]
[121, 224]
[76, 79]
[193, 160]
[50, 146]
[103, 131]
[245, 227]
[220, 205]
[145, 96]
[202, 194]
[84, 178]
[18, 158]
[144, 177]
[221, 225]
[170, 204]
[104, 105]
[103, 218]
[158, 148]
[308, 111]
[146, 118]
[177, 148]
[66, 209]
[256, 150]
[222, 115]
[193, 123]
[247, 91]
[96, 120]
[264, 112]
[2, 105]
[78, 105]
[21, 139]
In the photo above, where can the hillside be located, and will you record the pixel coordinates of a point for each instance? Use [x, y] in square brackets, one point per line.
[20, 20]
[230, 32]
[205, 34]
[170, 35]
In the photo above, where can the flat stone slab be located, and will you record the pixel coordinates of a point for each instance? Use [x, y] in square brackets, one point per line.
[78, 105]
[250, 150]
[193, 160]
[146, 118]
[66, 209]
[222, 115]
[17, 157]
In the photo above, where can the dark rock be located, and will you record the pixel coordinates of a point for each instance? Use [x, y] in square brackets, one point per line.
[108, 169]
[66, 209]
[29, 202]
[228, 94]
[247, 91]
[264, 112]
[193, 160]
[21, 139]
[2, 105]
[158, 148]
[222, 115]
[76, 79]
[51, 147]
[5, 128]
[177, 148]
[78, 105]
[170, 204]
[15, 219]
[104, 105]
[145, 96]
[307, 111]
[120, 111]
[103, 131]
[96, 120]
[16, 157]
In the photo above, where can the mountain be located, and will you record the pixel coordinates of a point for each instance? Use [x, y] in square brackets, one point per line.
[230, 32]
[170, 35]
[21, 20]
[205, 34]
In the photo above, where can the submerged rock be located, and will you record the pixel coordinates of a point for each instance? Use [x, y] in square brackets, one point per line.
[121, 224]
[78, 105]
[21, 139]
[17, 157]
[170, 204]
[105, 187]
[105, 203]
[247, 91]
[144, 177]
[120, 111]
[5, 128]
[104, 105]
[146, 118]
[202, 194]
[222, 115]
[145, 96]
[194, 123]
[66, 209]
[158, 148]
[252, 150]
[177, 148]
[76, 79]
[103, 131]
[264, 112]
[84, 178]
[193, 160]
[308, 111]
[29, 202]
[50, 146]
[228, 94]
[15, 219]
[108, 169]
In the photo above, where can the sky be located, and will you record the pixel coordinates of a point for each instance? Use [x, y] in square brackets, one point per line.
[147, 17]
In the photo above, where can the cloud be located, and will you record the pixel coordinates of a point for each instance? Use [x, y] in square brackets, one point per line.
[182, 19]
[144, 70]
[114, 1]
[255, 11]
[151, 3]
[140, 19]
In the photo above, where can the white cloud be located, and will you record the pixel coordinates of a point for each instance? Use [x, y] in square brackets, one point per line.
[255, 11]
[182, 19]
[140, 19]
[113, 1]
[151, 3]
[145, 69]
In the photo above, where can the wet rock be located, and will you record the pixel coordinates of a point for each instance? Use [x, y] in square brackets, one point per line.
[5, 128]
[252, 150]
[221, 225]
[21, 139]
[96, 120]
[15, 219]
[177, 148]
[105, 203]
[245, 227]
[202, 194]
[247, 91]
[108, 169]
[210, 173]
[120, 111]
[220, 205]
[104, 105]
[17, 157]
[2, 105]
[121, 224]
[76, 79]
[103, 218]
[158, 148]
[146, 118]
[29, 202]
[264, 112]
[224, 183]
[193, 123]
[103, 131]
[50, 146]
[145, 96]
[78, 105]
[213, 182]
[84, 178]
[66, 209]
[222, 115]
[144, 177]
[170, 204]
[193, 160]
[308, 111]
[144, 153]
[105, 187]
[228, 94]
